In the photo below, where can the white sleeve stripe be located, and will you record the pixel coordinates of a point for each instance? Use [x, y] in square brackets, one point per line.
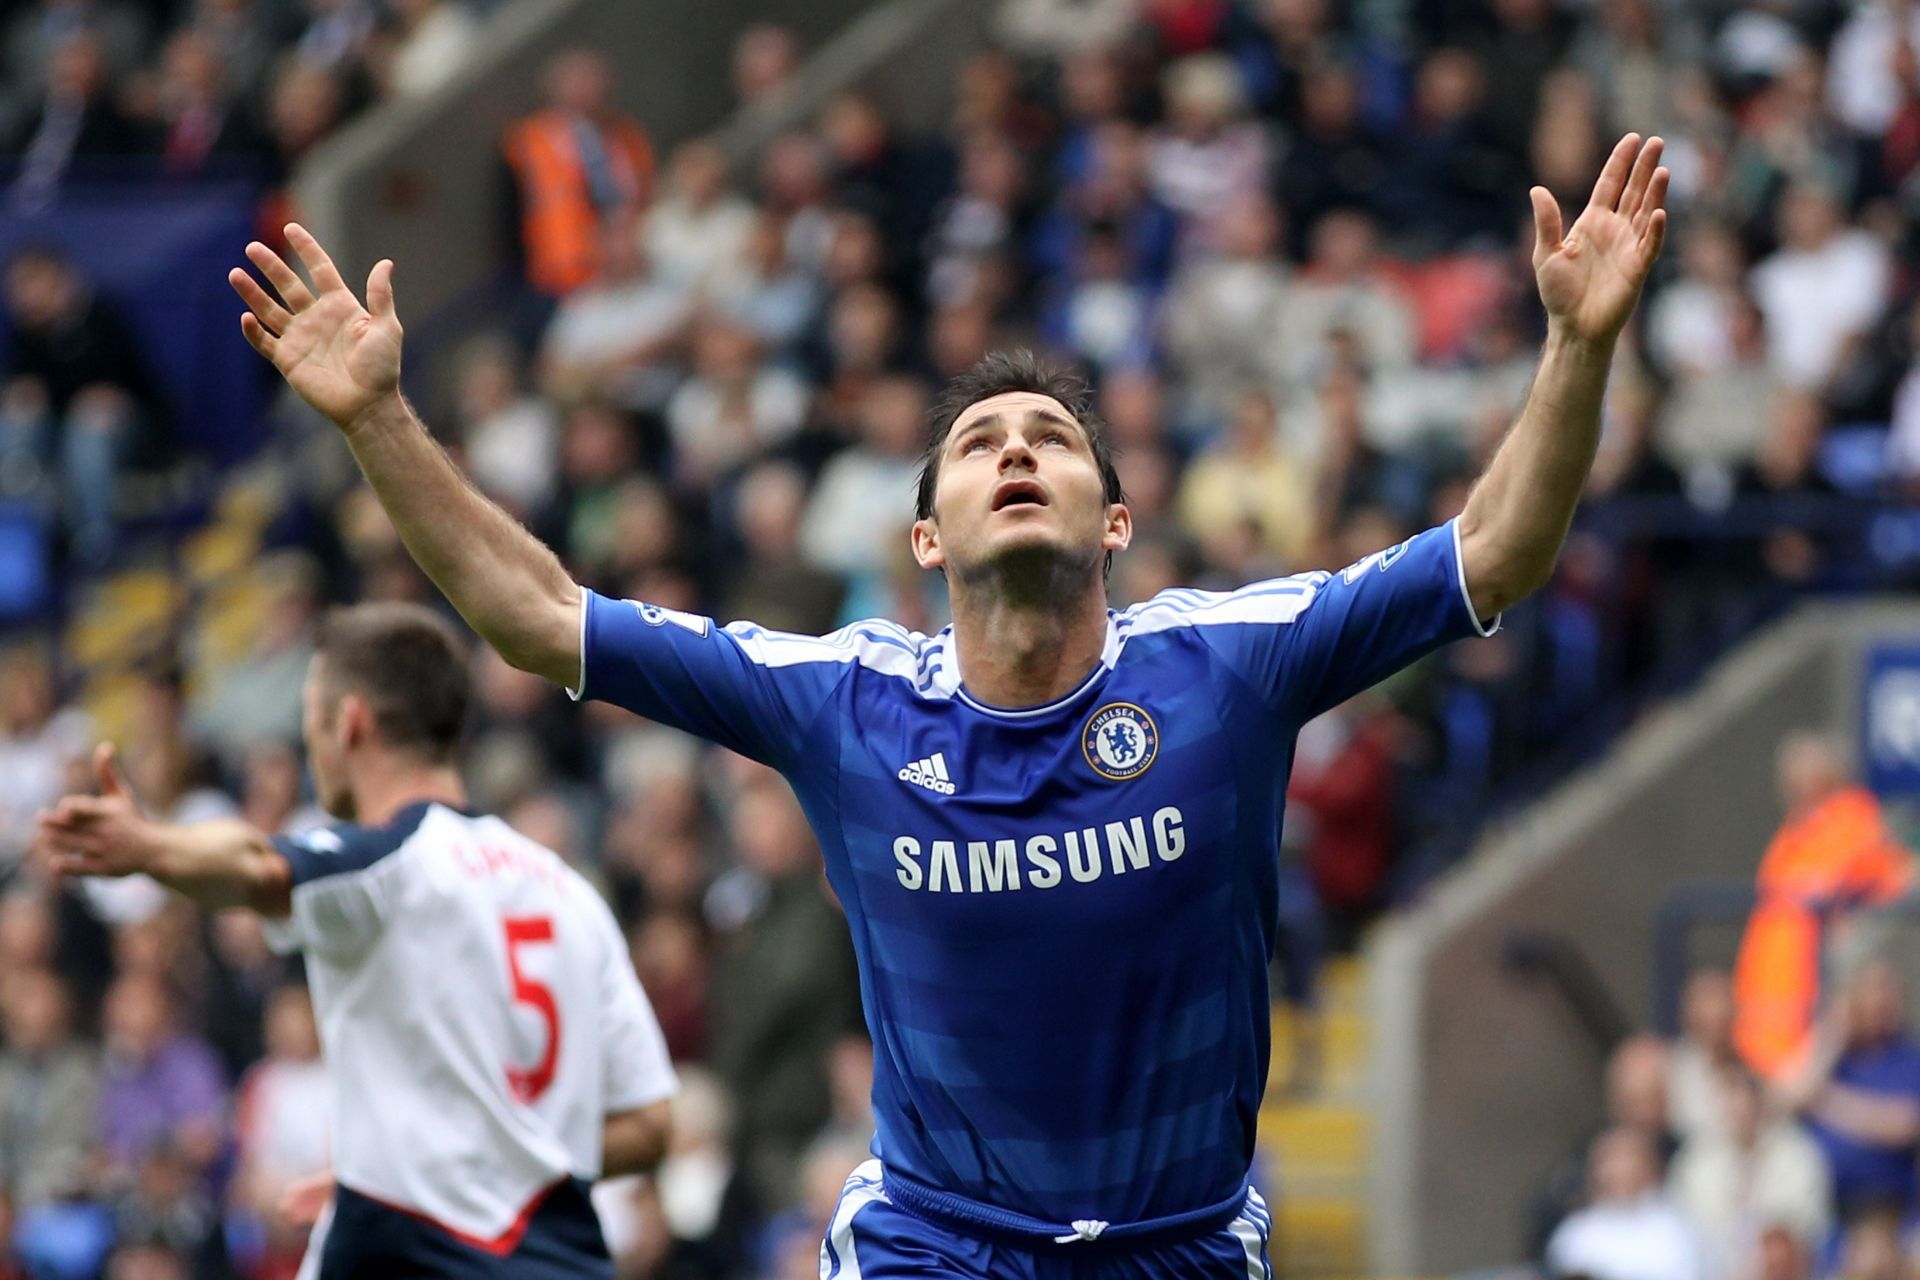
[873, 649]
[1269, 602]
[1480, 628]
[579, 690]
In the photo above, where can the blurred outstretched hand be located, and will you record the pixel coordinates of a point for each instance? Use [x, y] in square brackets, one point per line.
[1591, 274]
[342, 358]
[103, 835]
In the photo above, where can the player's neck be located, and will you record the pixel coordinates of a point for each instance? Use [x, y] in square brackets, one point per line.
[1028, 652]
[387, 784]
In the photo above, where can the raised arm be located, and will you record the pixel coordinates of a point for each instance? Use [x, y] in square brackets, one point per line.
[344, 360]
[225, 863]
[1518, 514]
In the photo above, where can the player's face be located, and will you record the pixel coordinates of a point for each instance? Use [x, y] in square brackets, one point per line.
[325, 755]
[1017, 477]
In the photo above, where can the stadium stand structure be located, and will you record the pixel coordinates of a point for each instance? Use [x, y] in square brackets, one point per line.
[1470, 1071]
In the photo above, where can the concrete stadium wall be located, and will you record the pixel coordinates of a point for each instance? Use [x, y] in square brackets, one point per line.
[1482, 1085]
[421, 182]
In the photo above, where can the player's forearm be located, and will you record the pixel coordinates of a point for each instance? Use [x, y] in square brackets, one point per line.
[509, 587]
[220, 864]
[1519, 512]
[635, 1141]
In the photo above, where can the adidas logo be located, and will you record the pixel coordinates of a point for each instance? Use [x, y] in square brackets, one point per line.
[930, 773]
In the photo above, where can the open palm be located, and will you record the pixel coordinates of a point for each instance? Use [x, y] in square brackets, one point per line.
[1591, 276]
[342, 358]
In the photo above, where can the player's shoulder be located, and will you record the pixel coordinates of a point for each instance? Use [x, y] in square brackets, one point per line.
[489, 848]
[1271, 600]
[345, 847]
[871, 643]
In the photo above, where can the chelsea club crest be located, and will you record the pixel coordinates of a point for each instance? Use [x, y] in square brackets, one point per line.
[1120, 741]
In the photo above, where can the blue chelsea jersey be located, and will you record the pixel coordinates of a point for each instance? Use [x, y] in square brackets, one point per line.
[1062, 913]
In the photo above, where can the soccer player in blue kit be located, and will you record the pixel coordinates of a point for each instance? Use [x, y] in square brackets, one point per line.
[1052, 825]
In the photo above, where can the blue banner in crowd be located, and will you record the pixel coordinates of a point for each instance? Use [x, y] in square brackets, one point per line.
[1890, 721]
[161, 253]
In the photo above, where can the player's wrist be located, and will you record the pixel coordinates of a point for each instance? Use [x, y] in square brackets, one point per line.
[157, 851]
[1565, 339]
[384, 412]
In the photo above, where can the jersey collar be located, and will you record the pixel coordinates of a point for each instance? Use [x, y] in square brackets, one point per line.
[946, 677]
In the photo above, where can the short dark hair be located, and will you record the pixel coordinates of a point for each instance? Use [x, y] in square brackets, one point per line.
[997, 374]
[410, 668]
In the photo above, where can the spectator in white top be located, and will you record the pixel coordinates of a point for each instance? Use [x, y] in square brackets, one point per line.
[1054, 29]
[1344, 290]
[39, 743]
[1227, 321]
[1702, 1058]
[701, 226]
[794, 184]
[870, 485]
[1821, 290]
[977, 225]
[510, 438]
[1903, 441]
[1208, 153]
[763, 290]
[734, 407]
[1690, 325]
[437, 39]
[1715, 422]
[609, 335]
[1756, 1170]
[1629, 1230]
[1864, 90]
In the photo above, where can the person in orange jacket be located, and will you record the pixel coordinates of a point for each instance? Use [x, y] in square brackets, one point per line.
[578, 166]
[1831, 855]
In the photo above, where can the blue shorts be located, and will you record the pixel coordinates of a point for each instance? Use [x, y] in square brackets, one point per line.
[872, 1238]
[362, 1238]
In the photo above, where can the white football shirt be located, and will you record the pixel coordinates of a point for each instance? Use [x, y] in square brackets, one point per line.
[478, 1012]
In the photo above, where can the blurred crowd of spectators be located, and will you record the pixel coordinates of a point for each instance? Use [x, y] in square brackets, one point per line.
[187, 89]
[1776, 1136]
[1704, 1170]
[1289, 241]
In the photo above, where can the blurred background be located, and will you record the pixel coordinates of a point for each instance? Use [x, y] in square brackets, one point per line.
[1596, 933]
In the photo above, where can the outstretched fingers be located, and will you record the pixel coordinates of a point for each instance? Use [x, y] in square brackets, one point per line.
[1548, 229]
[271, 314]
[380, 290]
[1654, 237]
[1612, 181]
[326, 276]
[257, 336]
[285, 281]
[1654, 202]
[1634, 199]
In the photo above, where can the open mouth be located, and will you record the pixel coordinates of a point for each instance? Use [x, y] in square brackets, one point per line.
[1015, 493]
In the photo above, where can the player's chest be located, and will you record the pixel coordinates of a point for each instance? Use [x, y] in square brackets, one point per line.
[963, 819]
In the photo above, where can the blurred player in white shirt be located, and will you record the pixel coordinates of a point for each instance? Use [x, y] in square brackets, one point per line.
[489, 1048]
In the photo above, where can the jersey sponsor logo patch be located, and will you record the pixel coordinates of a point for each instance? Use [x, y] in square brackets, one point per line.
[658, 616]
[930, 773]
[320, 840]
[1382, 559]
[1120, 741]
